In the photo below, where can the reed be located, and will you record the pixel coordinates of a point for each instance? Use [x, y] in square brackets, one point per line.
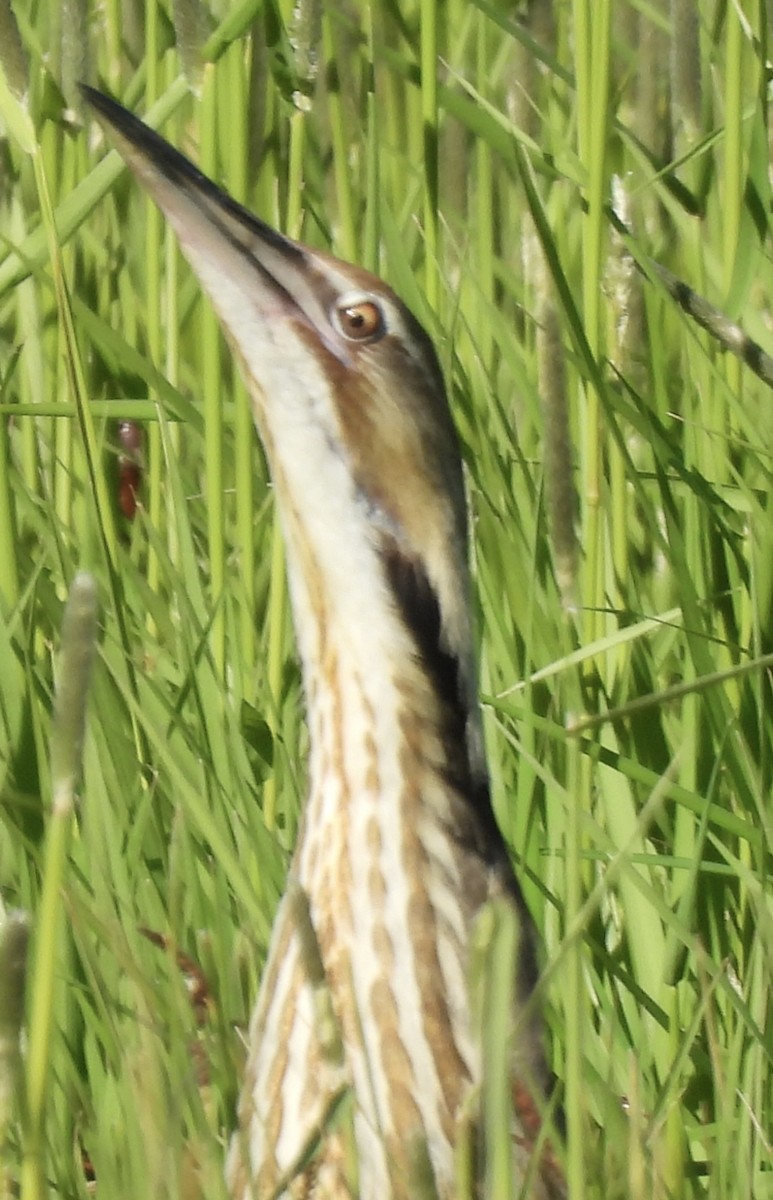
[642, 832]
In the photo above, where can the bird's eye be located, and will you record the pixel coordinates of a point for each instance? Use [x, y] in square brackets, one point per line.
[360, 321]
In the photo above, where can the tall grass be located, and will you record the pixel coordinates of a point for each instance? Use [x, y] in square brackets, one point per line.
[619, 471]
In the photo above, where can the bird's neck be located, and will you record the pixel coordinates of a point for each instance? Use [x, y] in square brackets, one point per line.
[384, 861]
[384, 746]
[397, 843]
[394, 723]
[398, 795]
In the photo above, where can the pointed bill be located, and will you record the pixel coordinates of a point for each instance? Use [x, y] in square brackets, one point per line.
[249, 270]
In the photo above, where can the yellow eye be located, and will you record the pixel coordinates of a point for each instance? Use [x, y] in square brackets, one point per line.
[361, 321]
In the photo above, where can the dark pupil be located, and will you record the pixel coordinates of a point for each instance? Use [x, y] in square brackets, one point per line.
[356, 319]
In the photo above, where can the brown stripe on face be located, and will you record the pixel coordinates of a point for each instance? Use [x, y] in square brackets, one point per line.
[396, 430]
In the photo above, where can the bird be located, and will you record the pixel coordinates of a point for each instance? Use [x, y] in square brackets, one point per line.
[364, 1067]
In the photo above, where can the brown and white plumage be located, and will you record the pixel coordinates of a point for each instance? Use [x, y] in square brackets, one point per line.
[364, 1054]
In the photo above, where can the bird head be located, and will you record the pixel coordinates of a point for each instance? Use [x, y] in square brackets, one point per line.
[349, 401]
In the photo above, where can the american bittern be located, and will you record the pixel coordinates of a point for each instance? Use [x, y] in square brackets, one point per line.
[366, 995]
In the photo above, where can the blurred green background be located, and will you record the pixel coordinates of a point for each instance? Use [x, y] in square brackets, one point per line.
[512, 171]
